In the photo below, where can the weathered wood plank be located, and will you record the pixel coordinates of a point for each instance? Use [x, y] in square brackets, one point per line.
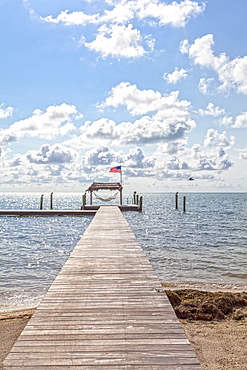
[104, 310]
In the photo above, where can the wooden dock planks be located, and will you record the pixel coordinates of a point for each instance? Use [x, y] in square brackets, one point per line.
[46, 213]
[87, 211]
[103, 311]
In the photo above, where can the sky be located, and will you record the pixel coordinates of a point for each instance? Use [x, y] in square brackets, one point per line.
[158, 87]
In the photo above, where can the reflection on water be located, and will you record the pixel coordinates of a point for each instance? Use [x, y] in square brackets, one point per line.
[204, 247]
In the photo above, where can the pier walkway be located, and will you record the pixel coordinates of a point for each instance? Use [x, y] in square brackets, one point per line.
[87, 211]
[104, 311]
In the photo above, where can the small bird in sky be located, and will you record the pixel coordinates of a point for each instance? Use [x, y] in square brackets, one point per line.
[191, 179]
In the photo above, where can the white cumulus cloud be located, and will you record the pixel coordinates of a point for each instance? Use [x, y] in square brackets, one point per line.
[116, 36]
[5, 112]
[175, 76]
[139, 102]
[212, 110]
[176, 14]
[169, 119]
[56, 153]
[241, 120]
[119, 41]
[177, 160]
[232, 74]
[216, 160]
[55, 121]
[146, 130]
[7, 137]
[173, 147]
[214, 138]
[225, 121]
[205, 84]
[101, 156]
[72, 19]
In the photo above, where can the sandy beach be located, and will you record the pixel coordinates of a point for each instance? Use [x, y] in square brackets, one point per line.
[219, 345]
[11, 325]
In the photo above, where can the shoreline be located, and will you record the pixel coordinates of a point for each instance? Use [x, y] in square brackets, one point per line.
[207, 287]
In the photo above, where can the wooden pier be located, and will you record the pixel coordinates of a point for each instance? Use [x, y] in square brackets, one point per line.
[46, 213]
[104, 310]
[87, 211]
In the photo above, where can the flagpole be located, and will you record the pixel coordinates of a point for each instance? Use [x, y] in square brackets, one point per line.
[121, 176]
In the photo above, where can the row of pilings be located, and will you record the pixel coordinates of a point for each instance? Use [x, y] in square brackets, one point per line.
[137, 200]
[176, 202]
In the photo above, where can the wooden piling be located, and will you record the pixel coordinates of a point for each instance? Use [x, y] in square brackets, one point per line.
[184, 204]
[134, 197]
[84, 200]
[176, 200]
[41, 201]
[51, 201]
[121, 196]
[140, 204]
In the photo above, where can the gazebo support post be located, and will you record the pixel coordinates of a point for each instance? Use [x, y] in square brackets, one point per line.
[91, 197]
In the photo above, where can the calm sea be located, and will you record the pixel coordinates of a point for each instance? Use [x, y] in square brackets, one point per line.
[205, 247]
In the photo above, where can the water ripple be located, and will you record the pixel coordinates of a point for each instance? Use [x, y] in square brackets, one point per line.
[206, 245]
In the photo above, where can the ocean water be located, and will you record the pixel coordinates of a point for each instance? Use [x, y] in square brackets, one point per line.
[204, 247]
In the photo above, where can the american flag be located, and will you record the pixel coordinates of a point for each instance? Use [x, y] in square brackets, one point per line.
[116, 169]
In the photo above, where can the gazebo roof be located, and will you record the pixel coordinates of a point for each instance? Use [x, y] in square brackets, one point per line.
[105, 186]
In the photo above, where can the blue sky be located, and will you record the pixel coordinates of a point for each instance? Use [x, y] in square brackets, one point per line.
[159, 87]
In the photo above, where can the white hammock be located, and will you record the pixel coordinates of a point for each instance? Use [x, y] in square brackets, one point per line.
[106, 199]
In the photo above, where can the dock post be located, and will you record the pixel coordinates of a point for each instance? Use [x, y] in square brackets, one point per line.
[140, 205]
[137, 199]
[184, 204]
[176, 200]
[134, 197]
[121, 197]
[41, 201]
[51, 201]
[84, 200]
